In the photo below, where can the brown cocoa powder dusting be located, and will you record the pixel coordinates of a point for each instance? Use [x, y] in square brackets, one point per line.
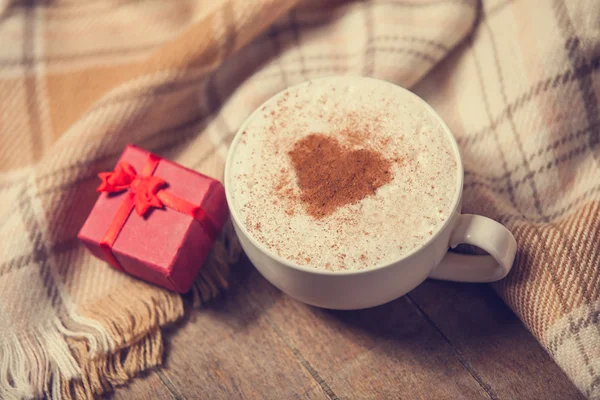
[331, 175]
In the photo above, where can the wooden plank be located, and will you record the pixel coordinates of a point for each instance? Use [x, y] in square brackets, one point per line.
[492, 341]
[146, 386]
[228, 350]
[389, 351]
[442, 341]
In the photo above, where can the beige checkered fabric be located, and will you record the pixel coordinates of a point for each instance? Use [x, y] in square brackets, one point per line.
[517, 81]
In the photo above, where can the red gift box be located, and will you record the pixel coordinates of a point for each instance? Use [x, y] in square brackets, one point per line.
[155, 219]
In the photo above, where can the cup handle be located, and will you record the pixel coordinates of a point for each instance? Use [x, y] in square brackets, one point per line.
[486, 234]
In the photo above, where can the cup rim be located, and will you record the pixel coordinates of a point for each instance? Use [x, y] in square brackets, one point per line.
[242, 227]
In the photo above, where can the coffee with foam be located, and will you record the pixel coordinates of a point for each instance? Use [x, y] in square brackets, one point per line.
[377, 133]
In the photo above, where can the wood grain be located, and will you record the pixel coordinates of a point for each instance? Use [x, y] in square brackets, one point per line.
[492, 341]
[387, 352]
[442, 341]
[147, 386]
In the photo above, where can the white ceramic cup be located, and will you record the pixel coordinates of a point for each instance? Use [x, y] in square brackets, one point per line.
[380, 284]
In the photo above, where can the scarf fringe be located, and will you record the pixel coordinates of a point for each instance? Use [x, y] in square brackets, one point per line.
[103, 374]
[84, 358]
[30, 363]
[81, 357]
[214, 277]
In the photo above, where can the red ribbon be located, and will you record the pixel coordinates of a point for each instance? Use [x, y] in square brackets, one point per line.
[143, 193]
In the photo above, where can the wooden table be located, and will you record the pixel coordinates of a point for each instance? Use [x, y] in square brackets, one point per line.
[441, 341]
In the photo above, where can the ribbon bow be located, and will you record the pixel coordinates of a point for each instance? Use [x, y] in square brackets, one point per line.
[143, 188]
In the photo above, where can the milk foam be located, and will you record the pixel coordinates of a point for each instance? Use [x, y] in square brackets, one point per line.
[360, 113]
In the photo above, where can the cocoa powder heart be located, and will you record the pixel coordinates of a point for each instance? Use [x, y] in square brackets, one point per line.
[331, 175]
